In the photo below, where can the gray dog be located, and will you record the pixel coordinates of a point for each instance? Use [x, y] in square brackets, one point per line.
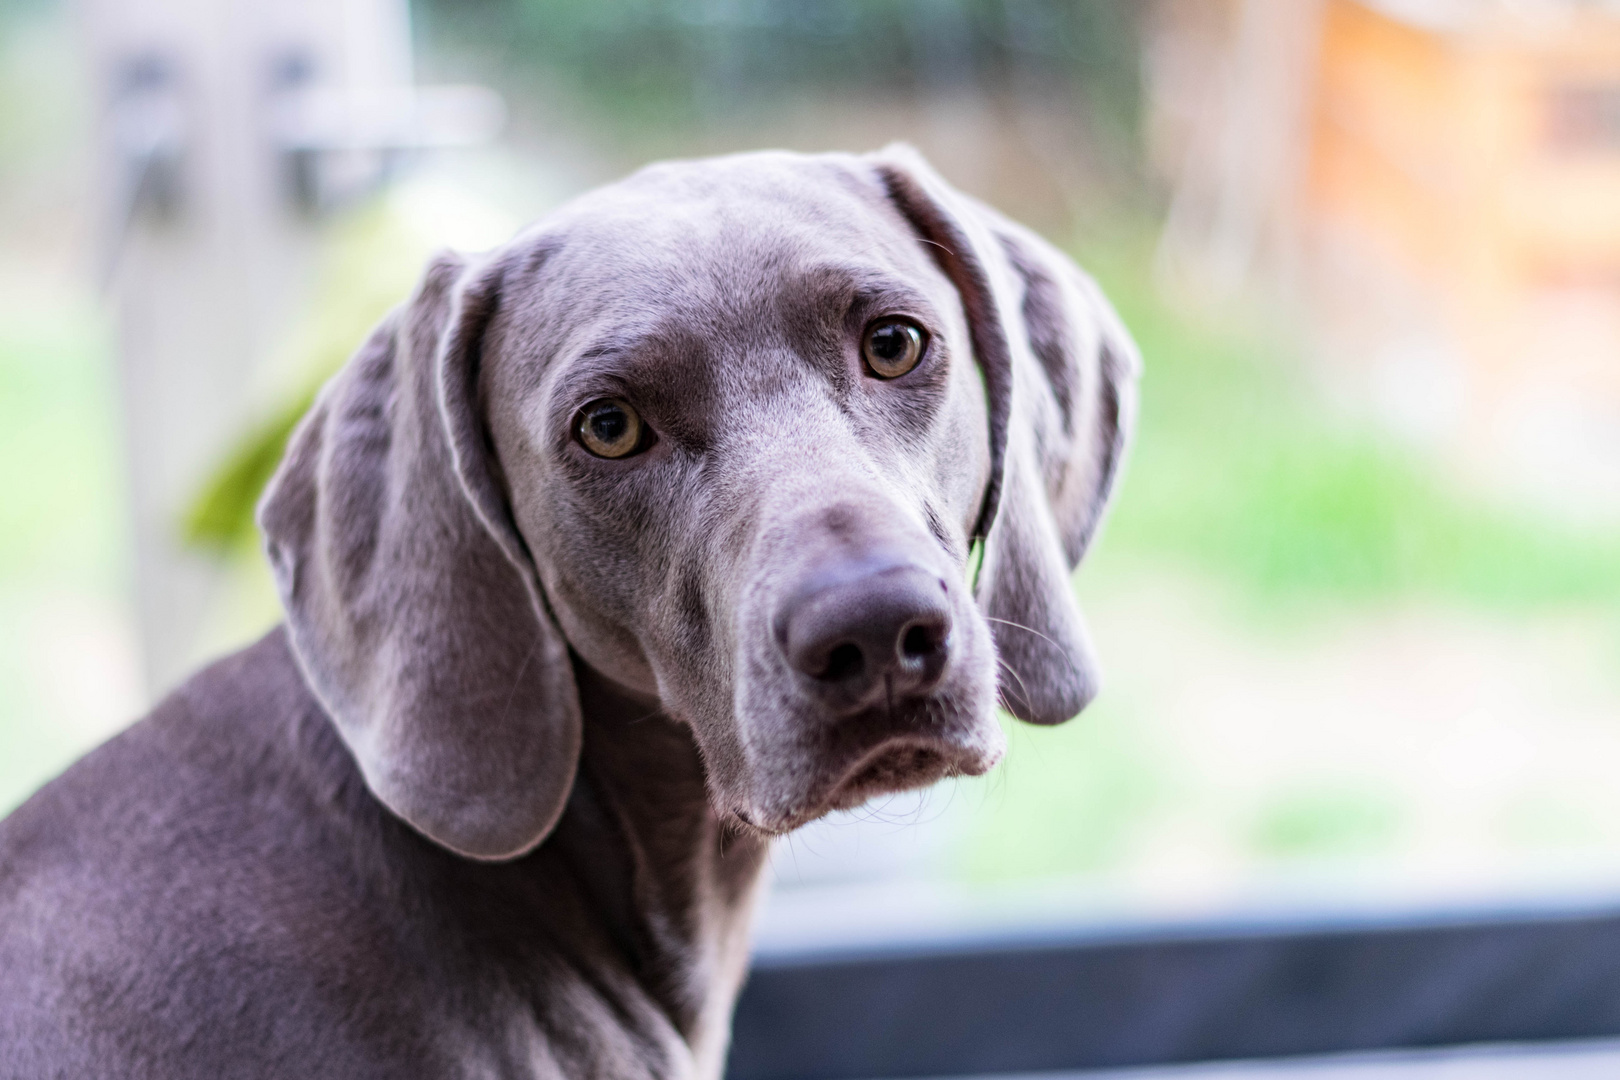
[727, 496]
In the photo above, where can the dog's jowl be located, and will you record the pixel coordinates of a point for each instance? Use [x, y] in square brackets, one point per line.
[727, 496]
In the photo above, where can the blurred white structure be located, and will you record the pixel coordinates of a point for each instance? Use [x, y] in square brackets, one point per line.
[1230, 84]
[228, 127]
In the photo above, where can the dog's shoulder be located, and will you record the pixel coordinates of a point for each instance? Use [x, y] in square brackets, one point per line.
[202, 882]
[198, 774]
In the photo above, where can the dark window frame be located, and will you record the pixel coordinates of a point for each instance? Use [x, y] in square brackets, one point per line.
[1087, 998]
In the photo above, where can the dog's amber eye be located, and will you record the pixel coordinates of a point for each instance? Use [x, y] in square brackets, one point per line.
[609, 428]
[892, 347]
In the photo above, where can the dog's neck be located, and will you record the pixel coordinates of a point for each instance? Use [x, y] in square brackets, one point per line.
[627, 926]
[674, 883]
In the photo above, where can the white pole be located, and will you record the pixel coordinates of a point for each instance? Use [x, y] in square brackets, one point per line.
[208, 250]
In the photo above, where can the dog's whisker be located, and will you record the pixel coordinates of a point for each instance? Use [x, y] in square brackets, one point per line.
[1061, 650]
[1022, 686]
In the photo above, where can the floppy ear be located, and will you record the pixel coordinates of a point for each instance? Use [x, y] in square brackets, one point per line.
[1060, 374]
[412, 603]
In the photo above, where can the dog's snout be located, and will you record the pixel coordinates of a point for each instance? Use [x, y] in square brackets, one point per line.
[882, 633]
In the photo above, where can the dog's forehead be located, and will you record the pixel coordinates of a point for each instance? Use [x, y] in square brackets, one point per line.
[730, 233]
[659, 280]
[830, 198]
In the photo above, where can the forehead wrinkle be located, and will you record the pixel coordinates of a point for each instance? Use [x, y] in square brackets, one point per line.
[721, 239]
[843, 285]
[718, 286]
[730, 213]
[831, 203]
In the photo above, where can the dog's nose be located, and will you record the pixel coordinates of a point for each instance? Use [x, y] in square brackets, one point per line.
[878, 634]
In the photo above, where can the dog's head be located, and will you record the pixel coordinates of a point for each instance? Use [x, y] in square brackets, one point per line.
[736, 432]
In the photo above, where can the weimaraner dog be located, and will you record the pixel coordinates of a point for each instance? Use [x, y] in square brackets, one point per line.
[729, 495]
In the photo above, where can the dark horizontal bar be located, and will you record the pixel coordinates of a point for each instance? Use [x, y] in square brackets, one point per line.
[1181, 996]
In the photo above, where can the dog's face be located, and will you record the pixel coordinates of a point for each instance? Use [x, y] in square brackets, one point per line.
[746, 442]
[728, 431]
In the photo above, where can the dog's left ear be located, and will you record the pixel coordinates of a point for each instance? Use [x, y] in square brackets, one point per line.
[1060, 374]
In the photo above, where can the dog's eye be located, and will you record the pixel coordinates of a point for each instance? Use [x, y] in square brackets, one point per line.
[892, 347]
[609, 428]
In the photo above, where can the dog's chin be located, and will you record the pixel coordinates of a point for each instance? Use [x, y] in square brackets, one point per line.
[894, 768]
[848, 776]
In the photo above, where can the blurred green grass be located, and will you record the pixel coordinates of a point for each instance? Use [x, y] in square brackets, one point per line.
[1242, 470]
[1327, 821]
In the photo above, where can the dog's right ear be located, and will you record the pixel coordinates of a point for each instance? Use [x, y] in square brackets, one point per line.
[412, 603]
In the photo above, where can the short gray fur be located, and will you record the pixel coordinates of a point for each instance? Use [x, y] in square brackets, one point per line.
[494, 801]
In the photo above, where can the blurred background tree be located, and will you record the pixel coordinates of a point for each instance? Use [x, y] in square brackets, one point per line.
[647, 66]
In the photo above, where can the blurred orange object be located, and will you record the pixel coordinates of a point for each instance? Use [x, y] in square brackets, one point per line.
[1443, 179]
[1477, 151]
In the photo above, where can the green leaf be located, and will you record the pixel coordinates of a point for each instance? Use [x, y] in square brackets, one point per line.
[221, 518]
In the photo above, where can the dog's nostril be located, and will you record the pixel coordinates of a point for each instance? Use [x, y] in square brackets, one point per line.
[920, 642]
[844, 662]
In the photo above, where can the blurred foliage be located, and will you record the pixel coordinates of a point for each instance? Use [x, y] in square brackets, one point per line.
[222, 516]
[655, 62]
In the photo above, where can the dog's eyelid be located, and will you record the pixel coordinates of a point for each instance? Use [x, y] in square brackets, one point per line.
[902, 316]
[905, 303]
